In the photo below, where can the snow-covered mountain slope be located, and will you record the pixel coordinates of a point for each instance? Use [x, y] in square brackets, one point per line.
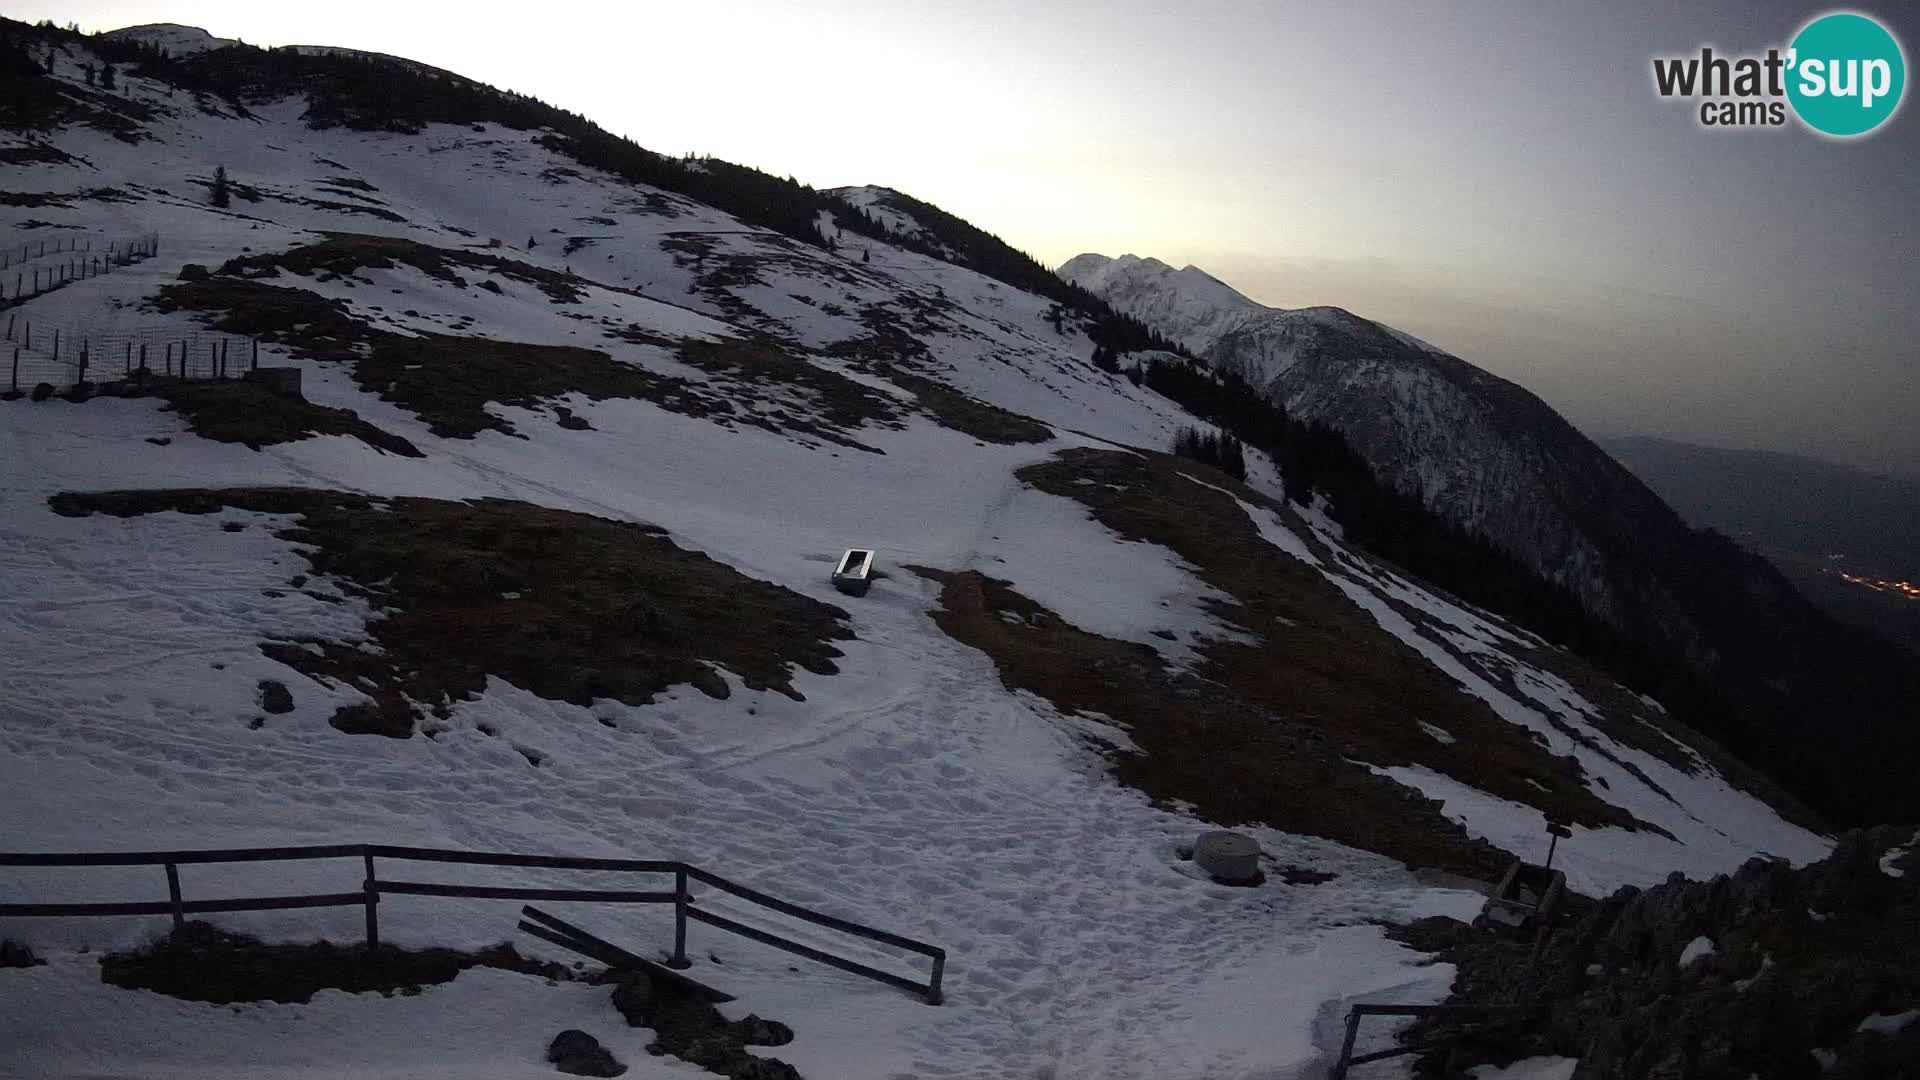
[881, 204]
[1477, 449]
[1808, 699]
[575, 459]
[1189, 306]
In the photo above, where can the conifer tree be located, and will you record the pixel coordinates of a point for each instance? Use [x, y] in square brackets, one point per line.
[221, 197]
[106, 77]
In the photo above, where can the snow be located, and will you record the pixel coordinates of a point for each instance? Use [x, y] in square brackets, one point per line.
[1533, 1068]
[911, 791]
[1889, 1024]
[1894, 854]
[875, 202]
[486, 1022]
[1695, 950]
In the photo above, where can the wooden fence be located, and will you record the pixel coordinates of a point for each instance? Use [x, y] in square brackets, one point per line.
[373, 887]
[41, 267]
[33, 352]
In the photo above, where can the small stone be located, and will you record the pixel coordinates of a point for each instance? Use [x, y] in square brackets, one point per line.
[275, 697]
[15, 955]
[755, 1031]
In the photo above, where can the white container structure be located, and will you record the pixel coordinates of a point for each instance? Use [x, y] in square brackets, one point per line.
[1228, 856]
[854, 575]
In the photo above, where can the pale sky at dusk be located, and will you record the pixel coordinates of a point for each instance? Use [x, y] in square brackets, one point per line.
[1501, 180]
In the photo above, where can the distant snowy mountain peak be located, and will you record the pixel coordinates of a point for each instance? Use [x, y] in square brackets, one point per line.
[1189, 306]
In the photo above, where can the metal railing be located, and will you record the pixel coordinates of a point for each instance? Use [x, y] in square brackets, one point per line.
[1347, 1060]
[373, 887]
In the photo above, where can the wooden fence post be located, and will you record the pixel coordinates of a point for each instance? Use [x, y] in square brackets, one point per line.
[256, 354]
[16, 368]
[680, 960]
[373, 905]
[173, 896]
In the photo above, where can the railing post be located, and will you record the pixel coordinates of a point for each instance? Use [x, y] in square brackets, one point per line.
[680, 961]
[1339, 1070]
[173, 896]
[934, 996]
[256, 354]
[373, 905]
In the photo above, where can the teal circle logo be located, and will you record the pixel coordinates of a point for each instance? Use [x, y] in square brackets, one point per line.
[1845, 74]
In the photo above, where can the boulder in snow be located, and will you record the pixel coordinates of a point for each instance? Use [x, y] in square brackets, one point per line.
[580, 1054]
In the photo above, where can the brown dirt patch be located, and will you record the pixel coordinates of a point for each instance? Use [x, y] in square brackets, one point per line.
[200, 962]
[449, 381]
[1201, 744]
[970, 416]
[564, 605]
[1321, 658]
[247, 412]
[797, 394]
[344, 254]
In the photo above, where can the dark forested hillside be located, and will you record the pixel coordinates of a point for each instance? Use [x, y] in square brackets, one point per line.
[1807, 699]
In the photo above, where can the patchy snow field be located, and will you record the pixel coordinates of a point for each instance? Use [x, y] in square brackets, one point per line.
[911, 791]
